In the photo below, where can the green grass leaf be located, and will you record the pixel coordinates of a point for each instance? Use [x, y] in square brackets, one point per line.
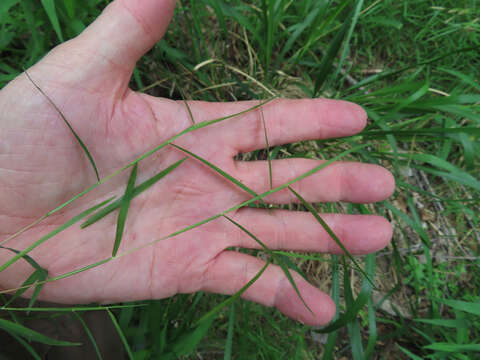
[137, 191]
[31, 335]
[218, 170]
[125, 205]
[121, 334]
[49, 6]
[329, 231]
[231, 328]
[79, 140]
[267, 149]
[51, 234]
[90, 335]
[325, 67]
[468, 307]
[449, 347]
[275, 257]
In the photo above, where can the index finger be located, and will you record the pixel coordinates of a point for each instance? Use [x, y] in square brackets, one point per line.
[286, 121]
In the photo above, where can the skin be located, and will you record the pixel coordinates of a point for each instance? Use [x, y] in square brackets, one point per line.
[42, 165]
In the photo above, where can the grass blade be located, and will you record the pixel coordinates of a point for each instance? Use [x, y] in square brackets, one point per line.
[26, 284]
[325, 66]
[27, 346]
[32, 335]
[137, 191]
[231, 324]
[90, 335]
[59, 229]
[83, 146]
[334, 237]
[218, 170]
[27, 258]
[122, 214]
[274, 256]
[449, 347]
[269, 160]
[121, 334]
[49, 6]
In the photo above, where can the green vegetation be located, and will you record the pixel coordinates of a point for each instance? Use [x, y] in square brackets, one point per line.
[414, 66]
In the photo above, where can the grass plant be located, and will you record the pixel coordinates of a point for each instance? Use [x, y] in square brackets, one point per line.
[413, 65]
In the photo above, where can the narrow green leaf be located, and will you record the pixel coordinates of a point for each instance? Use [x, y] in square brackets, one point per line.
[189, 341]
[409, 353]
[219, 171]
[121, 334]
[32, 335]
[334, 237]
[274, 256]
[27, 346]
[353, 306]
[27, 258]
[329, 349]
[59, 229]
[122, 214]
[42, 277]
[209, 316]
[468, 307]
[90, 335]
[49, 6]
[76, 308]
[137, 191]
[83, 146]
[356, 340]
[269, 160]
[231, 324]
[325, 66]
[450, 323]
[26, 284]
[449, 347]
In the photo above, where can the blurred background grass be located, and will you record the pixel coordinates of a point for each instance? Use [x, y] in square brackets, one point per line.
[415, 66]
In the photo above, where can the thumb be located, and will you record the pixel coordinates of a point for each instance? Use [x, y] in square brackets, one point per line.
[127, 29]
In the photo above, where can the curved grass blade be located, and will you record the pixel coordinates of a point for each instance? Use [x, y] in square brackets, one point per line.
[218, 170]
[84, 147]
[121, 334]
[122, 214]
[137, 191]
[32, 335]
[334, 237]
[90, 335]
[27, 346]
[27, 258]
[269, 160]
[231, 299]
[275, 257]
[59, 229]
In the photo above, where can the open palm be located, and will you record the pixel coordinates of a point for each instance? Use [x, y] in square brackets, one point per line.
[42, 165]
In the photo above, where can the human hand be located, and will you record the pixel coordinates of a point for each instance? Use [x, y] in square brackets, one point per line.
[42, 165]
